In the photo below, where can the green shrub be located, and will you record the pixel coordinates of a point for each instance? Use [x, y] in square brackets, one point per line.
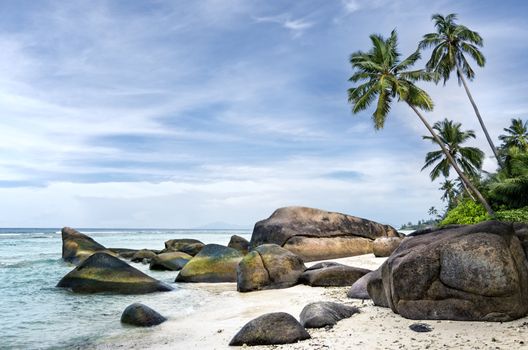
[465, 213]
[513, 215]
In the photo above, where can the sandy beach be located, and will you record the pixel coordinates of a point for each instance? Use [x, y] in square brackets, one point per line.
[213, 325]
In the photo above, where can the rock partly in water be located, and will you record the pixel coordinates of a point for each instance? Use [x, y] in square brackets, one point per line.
[325, 314]
[105, 273]
[214, 263]
[315, 234]
[124, 253]
[359, 288]
[269, 267]
[476, 272]
[141, 315]
[270, 329]
[376, 290]
[330, 274]
[384, 246]
[143, 256]
[186, 245]
[76, 247]
[173, 261]
[239, 243]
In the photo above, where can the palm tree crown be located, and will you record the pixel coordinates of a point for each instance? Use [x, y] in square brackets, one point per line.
[517, 135]
[385, 77]
[451, 41]
[468, 158]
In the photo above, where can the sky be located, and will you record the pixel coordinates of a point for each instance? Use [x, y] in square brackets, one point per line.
[177, 114]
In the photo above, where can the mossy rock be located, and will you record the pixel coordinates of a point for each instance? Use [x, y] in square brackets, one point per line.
[77, 247]
[269, 267]
[102, 272]
[214, 263]
[173, 261]
[186, 245]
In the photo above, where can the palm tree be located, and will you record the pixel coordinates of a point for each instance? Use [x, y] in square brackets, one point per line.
[517, 135]
[451, 41]
[468, 158]
[450, 193]
[384, 76]
[510, 185]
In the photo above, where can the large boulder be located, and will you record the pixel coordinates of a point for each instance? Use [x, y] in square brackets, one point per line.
[330, 274]
[476, 272]
[76, 247]
[105, 273]
[384, 246]
[173, 261]
[239, 243]
[269, 329]
[325, 314]
[141, 315]
[186, 245]
[359, 288]
[214, 263]
[268, 267]
[315, 234]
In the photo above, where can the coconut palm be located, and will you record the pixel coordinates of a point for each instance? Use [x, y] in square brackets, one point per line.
[451, 43]
[383, 76]
[510, 185]
[468, 158]
[517, 135]
[450, 192]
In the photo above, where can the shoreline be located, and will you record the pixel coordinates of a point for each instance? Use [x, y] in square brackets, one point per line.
[213, 325]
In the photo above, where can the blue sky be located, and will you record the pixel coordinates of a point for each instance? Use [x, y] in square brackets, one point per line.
[181, 113]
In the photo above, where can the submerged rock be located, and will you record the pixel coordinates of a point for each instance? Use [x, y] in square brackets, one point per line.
[325, 313]
[269, 329]
[173, 261]
[105, 273]
[239, 243]
[186, 245]
[141, 315]
[214, 263]
[268, 267]
[314, 234]
[475, 272]
[76, 246]
[331, 275]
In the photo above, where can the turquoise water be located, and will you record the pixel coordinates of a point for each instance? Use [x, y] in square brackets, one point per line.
[37, 315]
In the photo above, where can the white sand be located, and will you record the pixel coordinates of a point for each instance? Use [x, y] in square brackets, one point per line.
[213, 326]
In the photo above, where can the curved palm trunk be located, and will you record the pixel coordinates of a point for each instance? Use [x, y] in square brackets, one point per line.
[463, 177]
[479, 117]
[467, 189]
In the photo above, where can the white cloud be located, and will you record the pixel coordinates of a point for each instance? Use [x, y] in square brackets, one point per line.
[296, 26]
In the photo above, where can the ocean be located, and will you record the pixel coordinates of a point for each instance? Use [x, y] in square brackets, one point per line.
[37, 315]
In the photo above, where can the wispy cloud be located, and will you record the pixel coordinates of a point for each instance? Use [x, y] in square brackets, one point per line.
[296, 26]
